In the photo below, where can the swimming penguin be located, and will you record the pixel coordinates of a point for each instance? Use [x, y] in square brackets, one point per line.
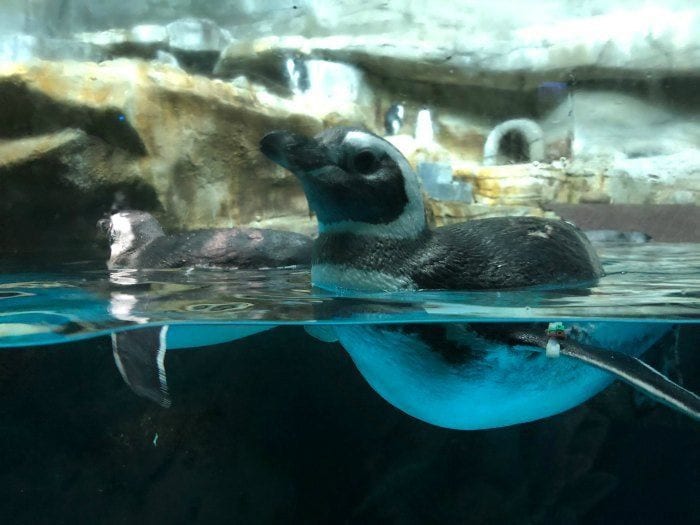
[373, 234]
[138, 241]
[373, 237]
[393, 119]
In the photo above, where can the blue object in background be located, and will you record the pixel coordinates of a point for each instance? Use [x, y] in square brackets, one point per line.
[439, 183]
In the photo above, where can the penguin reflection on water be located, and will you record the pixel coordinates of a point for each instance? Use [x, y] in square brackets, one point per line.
[373, 237]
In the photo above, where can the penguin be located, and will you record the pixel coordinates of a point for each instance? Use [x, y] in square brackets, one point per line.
[633, 237]
[393, 119]
[373, 237]
[137, 241]
[373, 234]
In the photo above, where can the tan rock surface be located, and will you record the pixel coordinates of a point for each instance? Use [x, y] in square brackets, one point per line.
[193, 140]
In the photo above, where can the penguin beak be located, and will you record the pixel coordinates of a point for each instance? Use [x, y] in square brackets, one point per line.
[297, 153]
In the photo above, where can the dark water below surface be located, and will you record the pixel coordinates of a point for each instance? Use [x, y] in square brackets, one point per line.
[279, 427]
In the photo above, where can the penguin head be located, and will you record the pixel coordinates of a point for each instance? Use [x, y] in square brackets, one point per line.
[130, 230]
[355, 181]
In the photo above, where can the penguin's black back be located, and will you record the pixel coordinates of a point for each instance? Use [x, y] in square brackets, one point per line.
[506, 252]
[502, 252]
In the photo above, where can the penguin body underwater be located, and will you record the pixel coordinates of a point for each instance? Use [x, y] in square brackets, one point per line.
[138, 241]
[373, 237]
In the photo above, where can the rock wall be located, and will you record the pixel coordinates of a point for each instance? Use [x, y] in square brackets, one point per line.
[161, 104]
[189, 143]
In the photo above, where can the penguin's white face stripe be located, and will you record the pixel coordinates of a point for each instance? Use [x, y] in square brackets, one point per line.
[123, 235]
[411, 222]
[337, 277]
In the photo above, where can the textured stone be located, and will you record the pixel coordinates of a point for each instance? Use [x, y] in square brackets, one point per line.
[21, 47]
[666, 179]
[655, 39]
[197, 34]
[27, 150]
[442, 213]
[188, 142]
[606, 123]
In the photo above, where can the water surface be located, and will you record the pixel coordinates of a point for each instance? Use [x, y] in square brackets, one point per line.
[652, 283]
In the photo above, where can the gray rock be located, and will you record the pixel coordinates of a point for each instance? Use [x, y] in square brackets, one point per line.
[149, 34]
[18, 48]
[22, 48]
[656, 180]
[197, 43]
[618, 125]
[163, 57]
[197, 35]
[435, 50]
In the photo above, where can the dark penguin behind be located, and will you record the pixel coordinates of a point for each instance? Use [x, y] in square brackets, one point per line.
[138, 241]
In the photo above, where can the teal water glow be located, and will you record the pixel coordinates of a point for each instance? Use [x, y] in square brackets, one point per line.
[646, 290]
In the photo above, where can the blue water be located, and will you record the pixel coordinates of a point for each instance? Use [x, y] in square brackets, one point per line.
[644, 283]
[271, 424]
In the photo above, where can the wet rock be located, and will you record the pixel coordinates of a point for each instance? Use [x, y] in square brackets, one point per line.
[197, 34]
[197, 43]
[663, 223]
[141, 41]
[664, 179]
[656, 40]
[190, 144]
[442, 213]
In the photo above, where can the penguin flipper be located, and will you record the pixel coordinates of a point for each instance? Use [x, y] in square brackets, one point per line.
[140, 359]
[627, 368]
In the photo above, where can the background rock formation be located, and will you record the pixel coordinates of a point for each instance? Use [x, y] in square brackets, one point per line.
[164, 102]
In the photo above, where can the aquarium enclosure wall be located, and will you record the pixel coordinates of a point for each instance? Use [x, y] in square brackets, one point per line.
[427, 261]
[504, 109]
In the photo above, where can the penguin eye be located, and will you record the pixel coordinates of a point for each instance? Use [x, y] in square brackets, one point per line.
[364, 162]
